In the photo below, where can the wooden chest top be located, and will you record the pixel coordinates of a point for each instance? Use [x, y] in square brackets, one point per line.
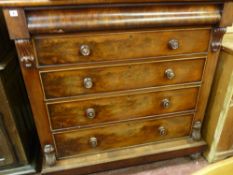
[25, 3]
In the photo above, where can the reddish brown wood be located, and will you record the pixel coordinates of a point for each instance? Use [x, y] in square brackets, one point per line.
[17, 25]
[121, 135]
[129, 162]
[125, 63]
[120, 45]
[71, 82]
[217, 38]
[124, 17]
[35, 93]
[73, 114]
[24, 3]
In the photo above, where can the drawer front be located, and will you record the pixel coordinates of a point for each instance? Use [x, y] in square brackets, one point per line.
[6, 152]
[121, 135]
[119, 46]
[82, 81]
[91, 112]
[68, 20]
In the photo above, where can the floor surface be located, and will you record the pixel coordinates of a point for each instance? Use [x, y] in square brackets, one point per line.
[178, 166]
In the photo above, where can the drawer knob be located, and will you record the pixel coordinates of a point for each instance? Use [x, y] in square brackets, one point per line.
[170, 74]
[162, 131]
[90, 113]
[166, 103]
[173, 44]
[88, 83]
[85, 50]
[93, 142]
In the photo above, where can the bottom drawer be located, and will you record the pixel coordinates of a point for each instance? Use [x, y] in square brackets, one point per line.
[121, 135]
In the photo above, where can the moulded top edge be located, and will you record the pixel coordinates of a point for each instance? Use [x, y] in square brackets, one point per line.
[34, 3]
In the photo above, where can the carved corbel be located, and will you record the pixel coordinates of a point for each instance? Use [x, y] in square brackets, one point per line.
[25, 52]
[49, 153]
[196, 132]
[217, 38]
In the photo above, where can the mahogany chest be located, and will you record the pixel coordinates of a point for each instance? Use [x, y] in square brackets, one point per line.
[114, 83]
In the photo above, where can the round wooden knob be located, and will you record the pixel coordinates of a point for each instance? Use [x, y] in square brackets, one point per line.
[170, 74]
[166, 103]
[88, 83]
[90, 113]
[173, 44]
[85, 50]
[162, 131]
[93, 142]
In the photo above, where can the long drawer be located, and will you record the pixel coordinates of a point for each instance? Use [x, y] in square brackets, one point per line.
[114, 78]
[132, 16]
[84, 113]
[121, 135]
[119, 46]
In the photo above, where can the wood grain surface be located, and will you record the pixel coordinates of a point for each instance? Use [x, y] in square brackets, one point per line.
[73, 114]
[23, 3]
[42, 21]
[119, 46]
[71, 82]
[121, 135]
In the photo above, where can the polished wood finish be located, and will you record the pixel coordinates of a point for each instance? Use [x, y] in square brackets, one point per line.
[119, 46]
[124, 17]
[26, 3]
[217, 38]
[121, 135]
[73, 114]
[126, 157]
[35, 93]
[102, 54]
[71, 82]
[17, 25]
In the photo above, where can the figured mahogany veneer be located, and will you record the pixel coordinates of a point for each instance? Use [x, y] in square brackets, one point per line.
[123, 17]
[131, 76]
[119, 46]
[74, 113]
[121, 82]
[121, 135]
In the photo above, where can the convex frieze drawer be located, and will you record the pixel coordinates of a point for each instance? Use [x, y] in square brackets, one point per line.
[114, 83]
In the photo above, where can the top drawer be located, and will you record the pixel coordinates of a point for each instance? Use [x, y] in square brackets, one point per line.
[119, 46]
[112, 17]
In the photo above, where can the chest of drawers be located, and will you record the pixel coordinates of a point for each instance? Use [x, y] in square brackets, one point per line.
[117, 83]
